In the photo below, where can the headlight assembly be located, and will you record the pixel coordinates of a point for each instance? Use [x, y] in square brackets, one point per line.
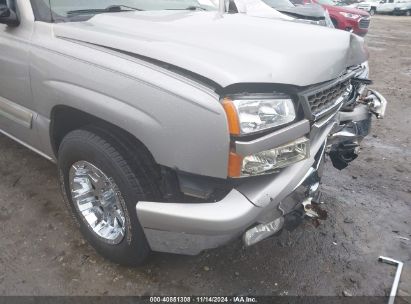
[350, 16]
[266, 162]
[247, 115]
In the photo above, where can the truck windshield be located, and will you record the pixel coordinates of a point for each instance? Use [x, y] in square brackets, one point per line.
[73, 10]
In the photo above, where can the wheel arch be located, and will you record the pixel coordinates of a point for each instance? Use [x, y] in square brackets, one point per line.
[64, 119]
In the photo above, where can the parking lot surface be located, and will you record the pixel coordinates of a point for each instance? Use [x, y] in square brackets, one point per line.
[369, 208]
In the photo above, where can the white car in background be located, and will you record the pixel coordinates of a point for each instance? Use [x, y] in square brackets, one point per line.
[403, 8]
[398, 7]
[371, 6]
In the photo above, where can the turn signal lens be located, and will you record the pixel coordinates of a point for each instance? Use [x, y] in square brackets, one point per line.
[235, 163]
[232, 116]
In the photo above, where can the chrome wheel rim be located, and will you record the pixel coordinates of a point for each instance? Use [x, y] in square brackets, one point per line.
[98, 202]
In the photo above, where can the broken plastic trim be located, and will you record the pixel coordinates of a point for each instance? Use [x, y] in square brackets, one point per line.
[262, 231]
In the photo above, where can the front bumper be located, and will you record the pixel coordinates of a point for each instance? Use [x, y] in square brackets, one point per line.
[189, 228]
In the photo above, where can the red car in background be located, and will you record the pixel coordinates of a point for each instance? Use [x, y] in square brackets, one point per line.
[344, 18]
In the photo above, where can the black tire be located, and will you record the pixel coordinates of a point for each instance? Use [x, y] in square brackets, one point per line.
[373, 11]
[408, 13]
[135, 174]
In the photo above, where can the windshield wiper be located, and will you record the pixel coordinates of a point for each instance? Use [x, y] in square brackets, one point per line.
[109, 9]
[188, 8]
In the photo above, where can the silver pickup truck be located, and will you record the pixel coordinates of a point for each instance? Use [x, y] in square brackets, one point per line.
[177, 127]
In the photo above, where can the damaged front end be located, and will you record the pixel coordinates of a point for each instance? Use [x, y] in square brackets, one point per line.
[348, 124]
[355, 123]
[336, 118]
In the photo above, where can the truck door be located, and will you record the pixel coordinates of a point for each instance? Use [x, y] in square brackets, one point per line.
[16, 108]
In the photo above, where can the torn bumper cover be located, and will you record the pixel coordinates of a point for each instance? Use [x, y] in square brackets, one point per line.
[259, 207]
[344, 141]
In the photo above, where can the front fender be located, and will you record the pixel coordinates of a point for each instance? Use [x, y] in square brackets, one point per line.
[182, 124]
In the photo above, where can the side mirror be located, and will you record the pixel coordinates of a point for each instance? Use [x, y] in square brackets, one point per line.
[8, 16]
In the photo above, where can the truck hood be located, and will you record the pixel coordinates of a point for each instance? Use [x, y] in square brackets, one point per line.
[226, 49]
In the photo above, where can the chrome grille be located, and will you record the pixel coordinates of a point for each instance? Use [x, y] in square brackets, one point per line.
[323, 100]
[364, 23]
